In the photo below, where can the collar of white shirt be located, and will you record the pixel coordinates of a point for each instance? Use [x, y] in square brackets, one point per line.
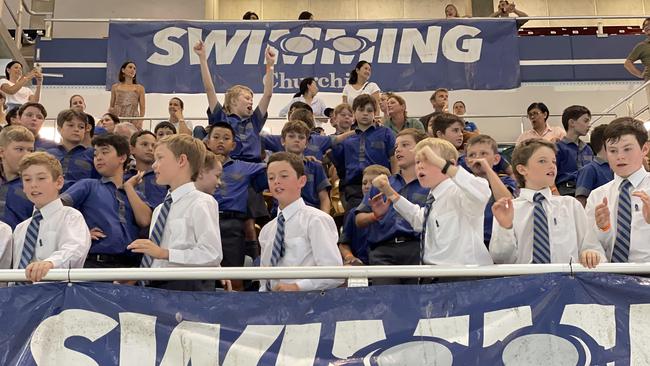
[183, 190]
[529, 194]
[636, 178]
[292, 208]
[51, 208]
[440, 189]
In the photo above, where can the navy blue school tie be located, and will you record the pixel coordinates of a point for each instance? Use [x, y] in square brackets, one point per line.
[427, 210]
[29, 246]
[158, 229]
[278, 246]
[623, 224]
[541, 244]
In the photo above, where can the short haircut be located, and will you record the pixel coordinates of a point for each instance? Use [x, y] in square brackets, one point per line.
[193, 149]
[414, 132]
[40, 107]
[541, 106]
[443, 121]
[41, 158]
[137, 135]
[180, 102]
[483, 139]
[626, 126]
[399, 100]
[15, 133]
[68, 115]
[300, 105]
[343, 106]
[232, 93]
[211, 160]
[305, 15]
[165, 124]
[129, 126]
[596, 140]
[522, 153]
[303, 115]
[295, 126]
[573, 112]
[362, 101]
[443, 147]
[11, 113]
[118, 142]
[292, 159]
[220, 124]
[376, 169]
[435, 93]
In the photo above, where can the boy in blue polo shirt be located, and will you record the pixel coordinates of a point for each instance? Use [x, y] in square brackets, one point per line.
[572, 153]
[32, 115]
[15, 142]
[112, 208]
[76, 159]
[369, 145]
[237, 109]
[142, 147]
[597, 172]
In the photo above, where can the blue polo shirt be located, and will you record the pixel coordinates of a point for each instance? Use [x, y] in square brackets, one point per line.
[247, 132]
[14, 205]
[317, 145]
[77, 163]
[592, 176]
[41, 144]
[372, 146]
[104, 206]
[153, 193]
[354, 236]
[470, 126]
[392, 225]
[237, 175]
[511, 184]
[570, 158]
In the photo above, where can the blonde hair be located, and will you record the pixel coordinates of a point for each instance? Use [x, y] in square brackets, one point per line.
[193, 149]
[444, 148]
[232, 93]
[44, 159]
[339, 108]
[376, 170]
[15, 133]
[212, 161]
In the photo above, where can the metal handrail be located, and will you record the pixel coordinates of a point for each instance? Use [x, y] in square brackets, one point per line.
[341, 272]
[622, 100]
[35, 13]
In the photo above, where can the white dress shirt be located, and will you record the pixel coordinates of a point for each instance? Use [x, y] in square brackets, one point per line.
[454, 232]
[317, 105]
[191, 231]
[567, 227]
[368, 88]
[603, 242]
[310, 239]
[63, 237]
[5, 245]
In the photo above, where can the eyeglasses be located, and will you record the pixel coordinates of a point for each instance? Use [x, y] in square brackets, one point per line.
[533, 114]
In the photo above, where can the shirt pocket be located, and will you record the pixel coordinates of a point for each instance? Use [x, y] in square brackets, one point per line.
[563, 237]
[180, 234]
[295, 250]
[447, 228]
[45, 245]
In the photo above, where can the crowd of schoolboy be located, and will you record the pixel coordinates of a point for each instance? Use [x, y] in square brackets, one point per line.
[409, 197]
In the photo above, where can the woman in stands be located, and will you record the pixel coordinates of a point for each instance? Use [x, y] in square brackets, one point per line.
[176, 118]
[358, 84]
[451, 11]
[109, 120]
[249, 15]
[307, 94]
[127, 96]
[13, 85]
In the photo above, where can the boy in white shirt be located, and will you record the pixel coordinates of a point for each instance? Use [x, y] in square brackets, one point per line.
[451, 223]
[300, 235]
[536, 227]
[185, 227]
[56, 236]
[618, 213]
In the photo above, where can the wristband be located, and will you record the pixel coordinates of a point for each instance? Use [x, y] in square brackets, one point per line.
[446, 167]
[606, 228]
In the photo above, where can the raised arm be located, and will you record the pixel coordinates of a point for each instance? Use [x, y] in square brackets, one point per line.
[270, 56]
[208, 85]
[36, 97]
[22, 81]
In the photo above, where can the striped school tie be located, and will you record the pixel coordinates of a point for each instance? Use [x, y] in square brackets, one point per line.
[541, 244]
[158, 229]
[29, 246]
[427, 210]
[623, 224]
[278, 246]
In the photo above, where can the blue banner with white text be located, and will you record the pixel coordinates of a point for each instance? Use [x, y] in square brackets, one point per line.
[553, 319]
[405, 55]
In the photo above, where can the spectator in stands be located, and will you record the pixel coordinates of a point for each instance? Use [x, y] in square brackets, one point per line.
[597, 172]
[439, 101]
[307, 94]
[451, 11]
[209, 179]
[112, 208]
[538, 115]
[15, 142]
[449, 127]
[343, 118]
[359, 84]
[3, 110]
[78, 103]
[618, 213]
[537, 227]
[300, 235]
[249, 15]
[383, 98]
[460, 110]
[305, 15]
[142, 149]
[32, 115]
[506, 8]
[61, 232]
[127, 96]
[163, 129]
[641, 52]
[572, 153]
[126, 129]
[175, 108]
[298, 105]
[397, 116]
[14, 85]
[75, 158]
[108, 122]
[12, 116]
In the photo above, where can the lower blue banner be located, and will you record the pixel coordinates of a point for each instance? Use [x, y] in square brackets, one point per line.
[553, 319]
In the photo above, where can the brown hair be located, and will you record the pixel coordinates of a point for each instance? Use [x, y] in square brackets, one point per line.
[625, 126]
[41, 158]
[15, 133]
[376, 170]
[193, 149]
[483, 139]
[305, 116]
[363, 100]
[39, 106]
[435, 93]
[296, 127]
[443, 121]
[339, 108]
[522, 153]
[399, 100]
[294, 160]
[68, 115]
[417, 134]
